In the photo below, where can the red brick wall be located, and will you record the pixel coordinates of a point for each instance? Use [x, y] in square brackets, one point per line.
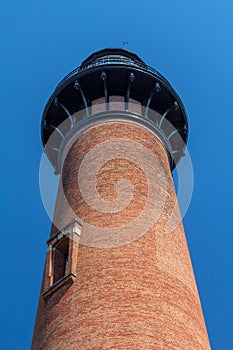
[134, 294]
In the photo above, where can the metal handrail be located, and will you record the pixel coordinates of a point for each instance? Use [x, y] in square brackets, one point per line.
[114, 61]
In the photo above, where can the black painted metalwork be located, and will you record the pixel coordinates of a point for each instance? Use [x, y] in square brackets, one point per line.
[68, 114]
[157, 89]
[104, 78]
[78, 87]
[130, 81]
[58, 131]
[170, 109]
[115, 72]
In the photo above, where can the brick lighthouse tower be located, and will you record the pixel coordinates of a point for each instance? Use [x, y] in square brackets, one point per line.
[117, 273]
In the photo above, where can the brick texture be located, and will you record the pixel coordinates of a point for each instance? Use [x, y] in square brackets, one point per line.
[137, 294]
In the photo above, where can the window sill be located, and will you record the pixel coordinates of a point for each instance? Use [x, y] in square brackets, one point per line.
[69, 278]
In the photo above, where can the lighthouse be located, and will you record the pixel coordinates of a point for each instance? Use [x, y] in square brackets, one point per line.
[117, 273]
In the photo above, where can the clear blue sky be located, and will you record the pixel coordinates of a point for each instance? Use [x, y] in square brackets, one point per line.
[191, 43]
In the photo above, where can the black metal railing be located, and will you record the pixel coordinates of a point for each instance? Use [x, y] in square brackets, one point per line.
[114, 61]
